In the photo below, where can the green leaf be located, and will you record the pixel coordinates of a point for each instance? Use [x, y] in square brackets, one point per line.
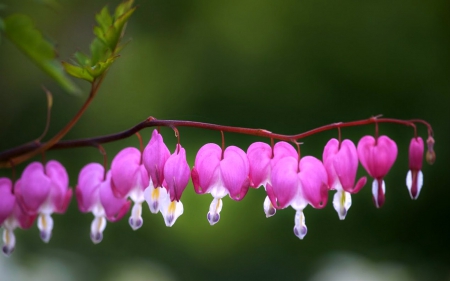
[110, 30]
[82, 59]
[122, 8]
[104, 19]
[20, 30]
[99, 51]
[101, 67]
[78, 72]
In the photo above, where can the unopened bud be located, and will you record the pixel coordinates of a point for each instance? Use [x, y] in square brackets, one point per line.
[431, 155]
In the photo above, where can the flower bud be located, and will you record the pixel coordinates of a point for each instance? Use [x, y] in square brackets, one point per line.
[431, 155]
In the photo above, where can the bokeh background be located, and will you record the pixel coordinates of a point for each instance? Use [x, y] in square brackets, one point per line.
[285, 66]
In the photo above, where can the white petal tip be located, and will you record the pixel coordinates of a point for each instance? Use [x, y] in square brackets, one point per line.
[7, 251]
[271, 213]
[342, 201]
[213, 218]
[135, 223]
[300, 228]
[169, 220]
[96, 237]
[414, 182]
[301, 232]
[269, 210]
[45, 236]
[154, 207]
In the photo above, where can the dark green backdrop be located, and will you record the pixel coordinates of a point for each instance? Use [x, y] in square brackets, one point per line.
[285, 66]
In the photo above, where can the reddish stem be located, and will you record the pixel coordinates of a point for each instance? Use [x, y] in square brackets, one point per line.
[153, 122]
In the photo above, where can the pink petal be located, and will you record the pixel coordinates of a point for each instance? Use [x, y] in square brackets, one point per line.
[154, 157]
[126, 172]
[89, 180]
[259, 156]
[284, 181]
[33, 187]
[281, 150]
[329, 154]
[176, 173]
[313, 178]
[234, 169]
[377, 157]
[416, 148]
[206, 170]
[330, 150]
[346, 164]
[359, 185]
[115, 208]
[7, 199]
[25, 220]
[60, 194]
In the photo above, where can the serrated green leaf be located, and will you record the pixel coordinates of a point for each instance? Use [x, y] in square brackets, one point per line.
[98, 31]
[78, 72]
[104, 19]
[119, 23]
[99, 51]
[19, 29]
[123, 8]
[82, 59]
[114, 33]
[101, 67]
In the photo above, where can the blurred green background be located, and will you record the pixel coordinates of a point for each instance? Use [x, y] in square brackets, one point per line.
[285, 66]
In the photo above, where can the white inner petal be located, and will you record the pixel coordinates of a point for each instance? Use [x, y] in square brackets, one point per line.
[9, 241]
[136, 216]
[409, 183]
[171, 210]
[214, 211]
[45, 225]
[342, 201]
[269, 209]
[300, 228]
[154, 197]
[98, 225]
[375, 190]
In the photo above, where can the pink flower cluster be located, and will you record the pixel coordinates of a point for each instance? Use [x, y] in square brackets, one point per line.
[159, 178]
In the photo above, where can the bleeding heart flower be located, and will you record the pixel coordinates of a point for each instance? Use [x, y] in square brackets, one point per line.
[414, 178]
[44, 190]
[341, 163]
[94, 194]
[220, 174]
[262, 159]
[377, 156]
[130, 178]
[176, 174]
[154, 158]
[298, 184]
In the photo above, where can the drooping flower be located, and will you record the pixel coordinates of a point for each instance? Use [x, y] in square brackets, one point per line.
[129, 178]
[44, 190]
[220, 176]
[414, 178]
[298, 184]
[262, 159]
[154, 158]
[11, 216]
[377, 156]
[176, 175]
[94, 194]
[341, 164]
